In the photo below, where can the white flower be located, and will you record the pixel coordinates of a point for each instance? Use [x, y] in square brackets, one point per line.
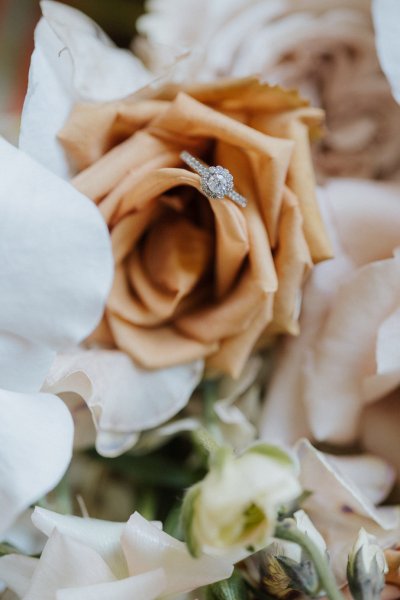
[305, 525]
[369, 551]
[88, 558]
[73, 61]
[235, 506]
[56, 269]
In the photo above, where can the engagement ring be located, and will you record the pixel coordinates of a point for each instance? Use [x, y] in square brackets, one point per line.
[216, 182]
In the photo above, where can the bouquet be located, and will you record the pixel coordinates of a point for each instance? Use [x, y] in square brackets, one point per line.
[200, 366]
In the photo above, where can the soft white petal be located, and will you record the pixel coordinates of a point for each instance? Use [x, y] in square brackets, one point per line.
[73, 60]
[17, 571]
[388, 344]
[147, 548]
[101, 536]
[147, 586]
[56, 268]
[386, 14]
[24, 536]
[36, 434]
[344, 353]
[124, 398]
[66, 563]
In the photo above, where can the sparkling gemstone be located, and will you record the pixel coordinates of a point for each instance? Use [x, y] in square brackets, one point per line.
[217, 184]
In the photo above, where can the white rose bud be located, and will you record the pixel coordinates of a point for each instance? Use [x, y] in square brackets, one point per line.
[236, 504]
[305, 525]
[366, 568]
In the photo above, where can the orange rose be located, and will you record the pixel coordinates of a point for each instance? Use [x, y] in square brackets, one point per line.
[201, 278]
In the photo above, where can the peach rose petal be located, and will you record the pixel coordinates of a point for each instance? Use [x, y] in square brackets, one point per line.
[123, 398]
[157, 348]
[342, 355]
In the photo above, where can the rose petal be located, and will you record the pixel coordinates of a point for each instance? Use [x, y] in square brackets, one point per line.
[56, 268]
[103, 537]
[73, 60]
[338, 509]
[147, 548]
[342, 356]
[30, 424]
[123, 398]
[24, 536]
[373, 476]
[386, 16]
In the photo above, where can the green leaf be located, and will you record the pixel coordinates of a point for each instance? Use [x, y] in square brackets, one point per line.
[187, 515]
[274, 452]
[233, 588]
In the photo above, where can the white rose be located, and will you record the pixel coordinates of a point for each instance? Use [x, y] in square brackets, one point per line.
[236, 504]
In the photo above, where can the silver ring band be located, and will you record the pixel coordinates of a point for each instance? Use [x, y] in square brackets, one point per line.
[216, 182]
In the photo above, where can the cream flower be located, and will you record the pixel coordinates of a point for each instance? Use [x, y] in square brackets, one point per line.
[53, 292]
[235, 506]
[347, 355]
[88, 558]
[324, 47]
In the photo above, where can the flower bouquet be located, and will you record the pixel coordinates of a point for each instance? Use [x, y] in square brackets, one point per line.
[200, 322]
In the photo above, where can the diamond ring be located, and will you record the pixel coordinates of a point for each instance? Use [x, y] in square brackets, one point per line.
[216, 182]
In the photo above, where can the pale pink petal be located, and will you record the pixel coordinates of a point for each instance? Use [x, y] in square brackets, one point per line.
[345, 351]
[146, 548]
[124, 399]
[36, 435]
[73, 60]
[387, 29]
[373, 476]
[365, 216]
[338, 508]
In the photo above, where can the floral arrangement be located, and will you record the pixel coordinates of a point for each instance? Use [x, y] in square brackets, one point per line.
[200, 322]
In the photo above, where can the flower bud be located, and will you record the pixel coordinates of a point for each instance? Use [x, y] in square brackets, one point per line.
[235, 506]
[366, 568]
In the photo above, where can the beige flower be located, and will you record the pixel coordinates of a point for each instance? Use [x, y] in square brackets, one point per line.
[324, 47]
[347, 355]
[197, 278]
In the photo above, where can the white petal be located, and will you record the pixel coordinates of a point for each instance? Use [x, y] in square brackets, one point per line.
[73, 60]
[66, 563]
[147, 586]
[36, 435]
[101, 536]
[24, 536]
[147, 548]
[17, 571]
[386, 14]
[124, 399]
[56, 268]
[344, 353]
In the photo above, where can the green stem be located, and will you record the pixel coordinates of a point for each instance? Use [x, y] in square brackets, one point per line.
[210, 396]
[287, 530]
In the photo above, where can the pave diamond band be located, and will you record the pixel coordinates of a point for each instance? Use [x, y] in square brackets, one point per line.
[216, 182]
